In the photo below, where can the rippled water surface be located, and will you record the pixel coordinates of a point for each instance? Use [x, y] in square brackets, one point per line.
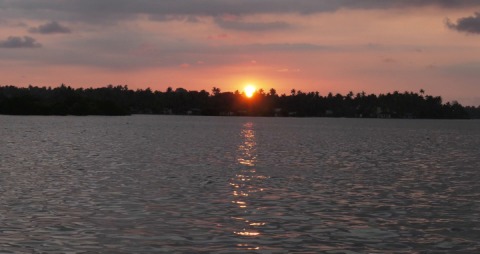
[164, 184]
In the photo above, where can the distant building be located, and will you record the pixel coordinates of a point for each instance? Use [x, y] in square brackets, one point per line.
[194, 111]
[167, 111]
[384, 115]
[227, 113]
[277, 112]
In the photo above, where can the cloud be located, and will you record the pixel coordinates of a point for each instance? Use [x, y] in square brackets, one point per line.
[389, 60]
[222, 36]
[165, 10]
[169, 17]
[284, 70]
[251, 26]
[467, 69]
[50, 28]
[286, 47]
[469, 24]
[19, 42]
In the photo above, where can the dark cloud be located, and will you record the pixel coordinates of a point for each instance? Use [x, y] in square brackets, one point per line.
[467, 24]
[19, 42]
[50, 28]
[112, 10]
[181, 18]
[381, 4]
[251, 26]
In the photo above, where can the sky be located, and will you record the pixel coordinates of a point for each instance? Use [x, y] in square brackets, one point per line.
[337, 46]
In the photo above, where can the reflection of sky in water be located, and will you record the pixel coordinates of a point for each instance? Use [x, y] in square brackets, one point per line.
[164, 184]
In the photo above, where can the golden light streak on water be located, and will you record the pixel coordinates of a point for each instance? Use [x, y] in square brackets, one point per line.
[246, 187]
[246, 233]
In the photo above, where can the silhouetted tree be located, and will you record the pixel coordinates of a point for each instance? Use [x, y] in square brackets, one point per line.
[120, 100]
[216, 91]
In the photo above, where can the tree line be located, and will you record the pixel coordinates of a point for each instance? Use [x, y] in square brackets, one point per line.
[120, 100]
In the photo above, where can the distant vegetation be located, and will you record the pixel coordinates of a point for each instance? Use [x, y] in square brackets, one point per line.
[119, 100]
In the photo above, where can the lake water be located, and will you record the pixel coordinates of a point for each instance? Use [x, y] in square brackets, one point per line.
[172, 184]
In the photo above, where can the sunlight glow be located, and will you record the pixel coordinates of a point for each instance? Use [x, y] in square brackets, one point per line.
[249, 90]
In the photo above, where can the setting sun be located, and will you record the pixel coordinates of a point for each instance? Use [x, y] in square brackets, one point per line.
[250, 90]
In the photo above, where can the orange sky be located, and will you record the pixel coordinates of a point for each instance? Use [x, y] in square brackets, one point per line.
[325, 46]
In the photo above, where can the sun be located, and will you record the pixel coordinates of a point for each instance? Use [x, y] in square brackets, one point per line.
[249, 90]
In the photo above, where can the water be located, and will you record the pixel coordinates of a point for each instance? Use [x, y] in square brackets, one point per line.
[164, 184]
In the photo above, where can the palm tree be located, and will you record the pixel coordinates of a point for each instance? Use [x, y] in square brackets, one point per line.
[216, 91]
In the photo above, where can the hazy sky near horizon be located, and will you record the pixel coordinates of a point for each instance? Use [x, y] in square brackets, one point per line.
[374, 46]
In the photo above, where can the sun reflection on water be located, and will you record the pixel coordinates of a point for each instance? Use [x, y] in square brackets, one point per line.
[246, 188]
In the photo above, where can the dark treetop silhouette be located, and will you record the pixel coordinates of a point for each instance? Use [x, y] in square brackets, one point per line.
[119, 100]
